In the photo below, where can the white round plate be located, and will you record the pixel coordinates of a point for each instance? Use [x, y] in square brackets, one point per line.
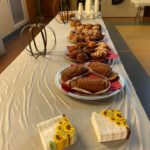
[82, 96]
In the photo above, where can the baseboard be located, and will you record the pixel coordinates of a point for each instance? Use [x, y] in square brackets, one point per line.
[2, 48]
[13, 34]
[2, 53]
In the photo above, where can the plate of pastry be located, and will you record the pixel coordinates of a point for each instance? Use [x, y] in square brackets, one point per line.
[90, 51]
[89, 81]
[86, 32]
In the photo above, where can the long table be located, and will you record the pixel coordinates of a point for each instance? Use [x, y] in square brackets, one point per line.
[28, 96]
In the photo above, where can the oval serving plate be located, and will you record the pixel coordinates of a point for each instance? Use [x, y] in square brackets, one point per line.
[83, 96]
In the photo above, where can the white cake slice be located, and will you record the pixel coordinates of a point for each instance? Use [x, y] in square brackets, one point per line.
[110, 125]
[57, 133]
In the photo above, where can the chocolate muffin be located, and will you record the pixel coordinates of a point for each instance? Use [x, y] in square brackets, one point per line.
[82, 57]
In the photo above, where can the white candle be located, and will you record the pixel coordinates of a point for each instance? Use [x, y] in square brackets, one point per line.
[80, 9]
[91, 15]
[88, 6]
[96, 7]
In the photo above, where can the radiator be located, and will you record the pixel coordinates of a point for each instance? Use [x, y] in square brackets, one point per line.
[17, 12]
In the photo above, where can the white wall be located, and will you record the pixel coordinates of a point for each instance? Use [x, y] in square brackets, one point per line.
[125, 9]
[6, 23]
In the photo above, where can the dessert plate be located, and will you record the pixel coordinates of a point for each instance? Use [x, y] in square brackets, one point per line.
[102, 40]
[83, 96]
[106, 61]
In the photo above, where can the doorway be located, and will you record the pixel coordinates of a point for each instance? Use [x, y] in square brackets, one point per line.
[147, 11]
[32, 6]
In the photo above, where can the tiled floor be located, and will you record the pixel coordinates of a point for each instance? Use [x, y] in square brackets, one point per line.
[137, 74]
[138, 39]
[13, 48]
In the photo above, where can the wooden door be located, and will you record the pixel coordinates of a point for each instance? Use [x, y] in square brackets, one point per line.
[32, 9]
[147, 11]
[49, 8]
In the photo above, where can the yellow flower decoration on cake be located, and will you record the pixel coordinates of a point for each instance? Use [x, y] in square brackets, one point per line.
[104, 112]
[107, 113]
[115, 116]
[62, 122]
[65, 133]
[68, 128]
[58, 128]
[113, 119]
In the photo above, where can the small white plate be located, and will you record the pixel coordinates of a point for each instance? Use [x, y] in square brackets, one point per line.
[81, 96]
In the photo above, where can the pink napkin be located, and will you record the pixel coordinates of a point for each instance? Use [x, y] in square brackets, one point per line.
[66, 87]
[112, 55]
[115, 86]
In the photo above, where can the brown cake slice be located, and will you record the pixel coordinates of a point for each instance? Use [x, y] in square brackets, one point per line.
[73, 71]
[100, 68]
[89, 84]
[103, 69]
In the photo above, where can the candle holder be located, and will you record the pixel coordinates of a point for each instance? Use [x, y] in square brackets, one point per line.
[32, 48]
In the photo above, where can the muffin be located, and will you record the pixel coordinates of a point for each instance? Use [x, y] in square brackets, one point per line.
[73, 54]
[82, 57]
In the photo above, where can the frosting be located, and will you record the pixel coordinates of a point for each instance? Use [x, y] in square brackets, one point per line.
[110, 125]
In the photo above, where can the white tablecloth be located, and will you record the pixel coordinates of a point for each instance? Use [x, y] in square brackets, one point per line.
[28, 95]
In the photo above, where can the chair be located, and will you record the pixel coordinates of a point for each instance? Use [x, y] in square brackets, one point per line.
[64, 8]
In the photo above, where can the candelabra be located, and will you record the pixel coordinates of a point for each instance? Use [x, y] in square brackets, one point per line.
[32, 47]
